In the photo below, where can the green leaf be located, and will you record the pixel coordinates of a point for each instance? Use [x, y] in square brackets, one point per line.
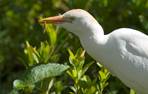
[44, 51]
[86, 67]
[21, 85]
[132, 91]
[32, 54]
[71, 55]
[103, 77]
[43, 71]
[39, 73]
[51, 33]
[80, 53]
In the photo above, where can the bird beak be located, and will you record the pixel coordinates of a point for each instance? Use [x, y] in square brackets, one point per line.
[53, 20]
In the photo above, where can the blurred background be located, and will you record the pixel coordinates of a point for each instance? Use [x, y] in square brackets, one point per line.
[19, 23]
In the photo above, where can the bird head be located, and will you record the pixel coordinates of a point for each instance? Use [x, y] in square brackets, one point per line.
[77, 21]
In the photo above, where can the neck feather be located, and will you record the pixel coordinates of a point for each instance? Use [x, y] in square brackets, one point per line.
[94, 42]
[93, 31]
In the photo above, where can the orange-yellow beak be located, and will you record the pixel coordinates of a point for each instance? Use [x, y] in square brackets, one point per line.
[54, 19]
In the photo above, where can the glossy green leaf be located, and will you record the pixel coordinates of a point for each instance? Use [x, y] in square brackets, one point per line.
[39, 73]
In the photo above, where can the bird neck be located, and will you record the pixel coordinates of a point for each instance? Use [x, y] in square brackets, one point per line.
[93, 33]
[94, 41]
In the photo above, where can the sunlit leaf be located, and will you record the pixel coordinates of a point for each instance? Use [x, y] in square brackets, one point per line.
[39, 73]
[132, 91]
[32, 54]
[52, 34]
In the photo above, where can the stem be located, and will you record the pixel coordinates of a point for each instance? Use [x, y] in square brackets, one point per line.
[50, 86]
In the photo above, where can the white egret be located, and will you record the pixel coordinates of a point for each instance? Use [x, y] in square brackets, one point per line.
[124, 52]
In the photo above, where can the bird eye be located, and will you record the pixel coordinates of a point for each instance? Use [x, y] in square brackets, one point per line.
[69, 19]
[72, 18]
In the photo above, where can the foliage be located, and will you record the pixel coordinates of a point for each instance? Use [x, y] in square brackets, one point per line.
[36, 74]
[83, 84]
[25, 46]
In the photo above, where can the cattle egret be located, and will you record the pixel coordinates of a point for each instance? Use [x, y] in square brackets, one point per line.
[124, 52]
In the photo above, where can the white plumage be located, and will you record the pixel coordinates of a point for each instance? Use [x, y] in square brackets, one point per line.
[124, 52]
